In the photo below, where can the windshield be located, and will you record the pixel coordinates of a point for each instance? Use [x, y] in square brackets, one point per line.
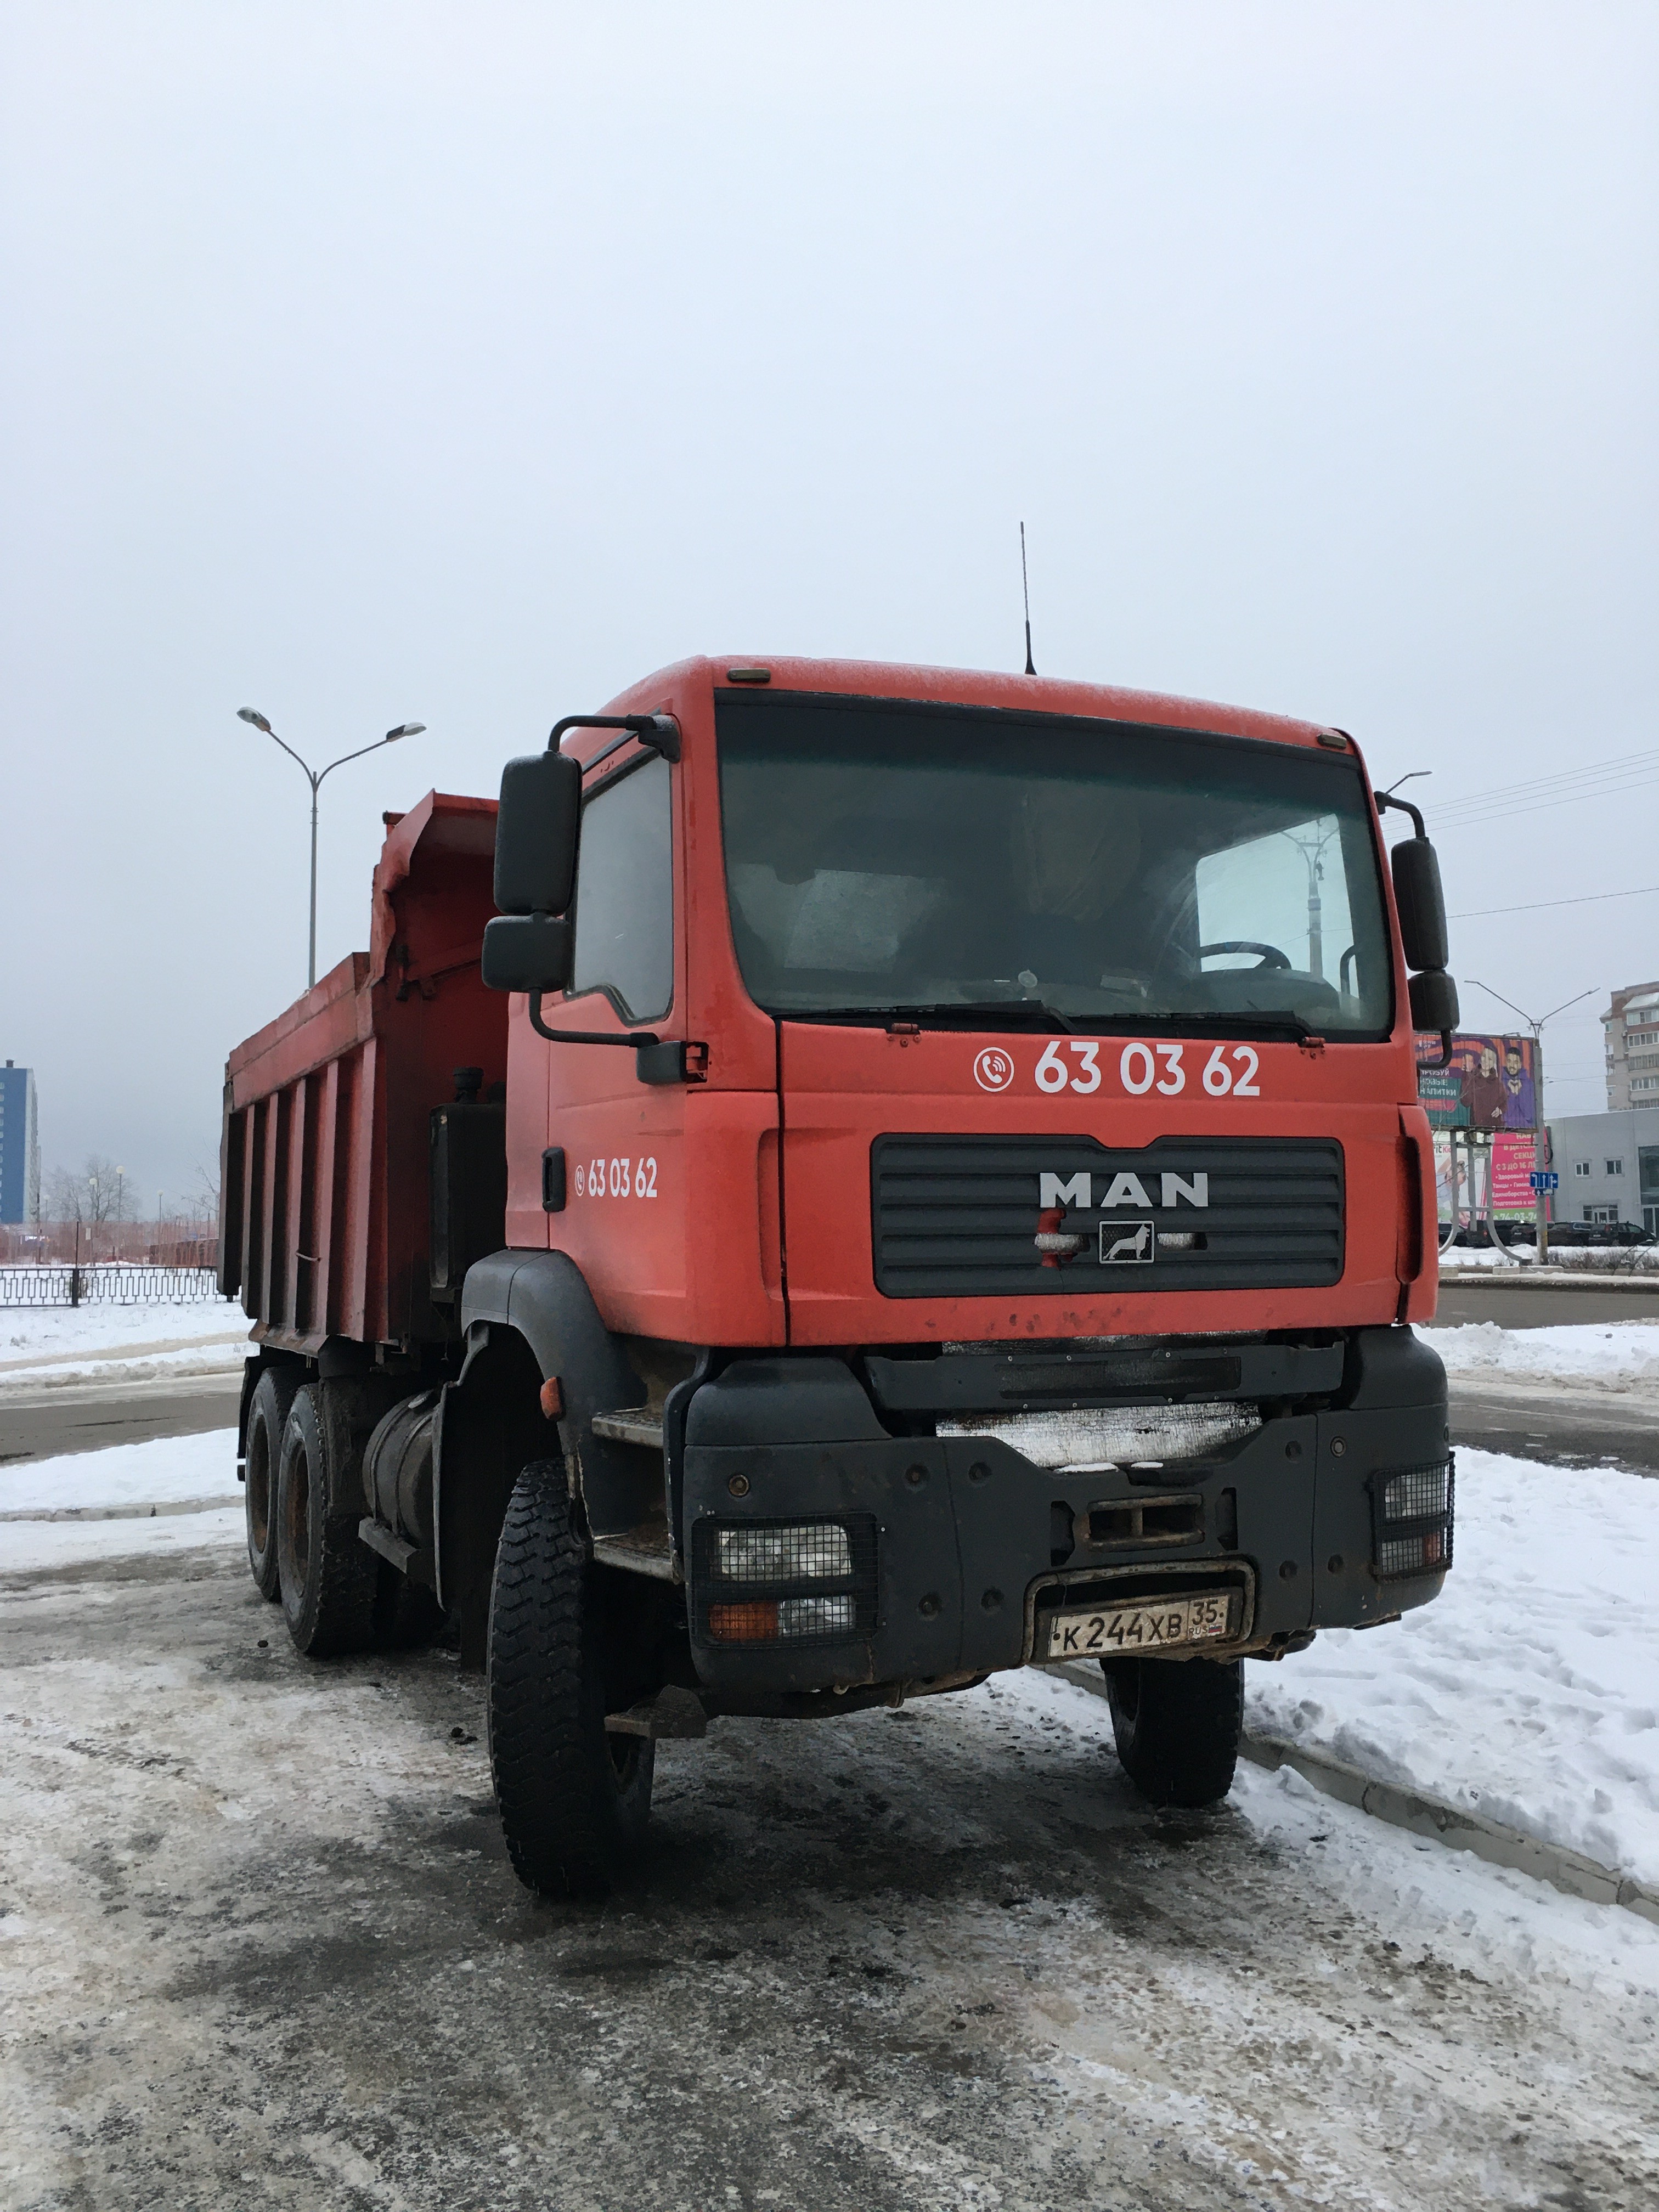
[985, 867]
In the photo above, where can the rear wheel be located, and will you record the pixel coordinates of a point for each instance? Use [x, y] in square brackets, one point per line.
[267, 1416]
[328, 1574]
[1177, 1723]
[574, 1799]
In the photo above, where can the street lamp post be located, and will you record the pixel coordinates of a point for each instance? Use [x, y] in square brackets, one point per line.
[1540, 1135]
[315, 777]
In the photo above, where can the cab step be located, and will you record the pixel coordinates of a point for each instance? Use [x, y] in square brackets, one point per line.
[642, 1551]
[632, 1425]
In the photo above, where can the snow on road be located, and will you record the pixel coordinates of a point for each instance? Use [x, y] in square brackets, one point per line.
[1530, 1690]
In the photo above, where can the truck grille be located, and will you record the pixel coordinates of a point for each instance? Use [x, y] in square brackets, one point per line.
[957, 1217]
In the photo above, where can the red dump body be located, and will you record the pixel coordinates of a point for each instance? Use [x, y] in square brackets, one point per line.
[327, 1108]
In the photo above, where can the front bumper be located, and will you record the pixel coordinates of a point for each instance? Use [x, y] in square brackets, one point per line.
[969, 1543]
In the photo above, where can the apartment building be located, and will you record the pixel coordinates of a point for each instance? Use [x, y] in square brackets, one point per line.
[1632, 1027]
[19, 1146]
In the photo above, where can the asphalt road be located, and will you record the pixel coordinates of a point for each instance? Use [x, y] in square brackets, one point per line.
[262, 1948]
[1564, 1423]
[40, 1422]
[1518, 1305]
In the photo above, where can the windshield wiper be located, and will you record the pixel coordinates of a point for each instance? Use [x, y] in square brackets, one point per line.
[1280, 1022]
[987, 1014]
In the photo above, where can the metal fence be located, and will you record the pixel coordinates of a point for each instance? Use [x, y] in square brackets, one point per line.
[114, 1284]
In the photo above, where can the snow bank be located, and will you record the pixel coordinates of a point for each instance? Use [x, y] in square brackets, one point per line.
[161, 1472]
[1530, 1690]
[1622, 1354]
[56, 1336]
[1567, 1258]
[29, 1546]
[1449, 1898]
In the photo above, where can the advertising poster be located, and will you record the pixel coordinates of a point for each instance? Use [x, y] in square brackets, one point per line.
[1489, 1084]
[1512, 1164]
[1507, 1161]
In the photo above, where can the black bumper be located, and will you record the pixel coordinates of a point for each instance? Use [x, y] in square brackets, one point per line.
[959, 1545]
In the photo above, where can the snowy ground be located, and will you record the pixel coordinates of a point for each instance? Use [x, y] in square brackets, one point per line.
[260, 1946]
[1620, 1355]
[1530, 1690]
[44, 1346]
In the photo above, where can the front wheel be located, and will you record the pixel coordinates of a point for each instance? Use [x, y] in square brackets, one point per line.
[1177, 1724]
[574, 1799]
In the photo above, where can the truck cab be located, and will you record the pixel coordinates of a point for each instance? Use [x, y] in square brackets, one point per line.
[965, 1206]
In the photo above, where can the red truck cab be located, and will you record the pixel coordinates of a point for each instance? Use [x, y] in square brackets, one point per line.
[964, 1203]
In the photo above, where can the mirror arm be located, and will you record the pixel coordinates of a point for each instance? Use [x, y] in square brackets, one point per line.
[1444, 1060]
[658, 733]
[629, 1037]
[1387, 798]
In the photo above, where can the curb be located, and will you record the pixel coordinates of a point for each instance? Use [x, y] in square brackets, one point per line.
[1576, 1278]
[1451, 1825]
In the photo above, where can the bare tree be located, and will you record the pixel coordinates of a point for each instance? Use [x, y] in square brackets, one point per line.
[88, 1199]
[204, 1200]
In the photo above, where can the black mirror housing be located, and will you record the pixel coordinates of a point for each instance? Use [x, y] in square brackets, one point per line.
[1422, 906]
[527, 951]
[536, 832]
[1434, 1001]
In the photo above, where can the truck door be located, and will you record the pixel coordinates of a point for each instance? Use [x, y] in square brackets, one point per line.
[623, 1219]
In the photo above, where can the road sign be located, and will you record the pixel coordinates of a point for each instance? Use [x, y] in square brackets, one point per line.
[1544, 1182]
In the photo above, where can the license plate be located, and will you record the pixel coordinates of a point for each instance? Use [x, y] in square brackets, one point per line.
[1173, 1624]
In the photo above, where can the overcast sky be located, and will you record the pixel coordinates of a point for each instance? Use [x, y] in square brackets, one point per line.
[462, 363]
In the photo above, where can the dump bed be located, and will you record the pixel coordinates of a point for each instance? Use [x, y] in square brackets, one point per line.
[328, 1110]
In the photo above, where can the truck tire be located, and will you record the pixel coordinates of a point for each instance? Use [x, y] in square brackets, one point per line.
[574, 1800]
[267, 1417]
[1177, 1724]
[327, 1573]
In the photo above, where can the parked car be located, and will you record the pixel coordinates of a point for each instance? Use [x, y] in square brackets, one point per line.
[1600, 1232]
[1562, 1233]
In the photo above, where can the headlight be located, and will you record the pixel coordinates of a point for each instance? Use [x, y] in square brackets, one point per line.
[810, 1551]
[1417, 1495]
[1413, 1555]
[768, 1620]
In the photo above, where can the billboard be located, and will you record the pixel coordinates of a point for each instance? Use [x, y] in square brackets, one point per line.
[1487, 1085]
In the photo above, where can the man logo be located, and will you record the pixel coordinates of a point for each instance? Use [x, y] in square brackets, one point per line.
[1125, 1190]
[1127, 1244]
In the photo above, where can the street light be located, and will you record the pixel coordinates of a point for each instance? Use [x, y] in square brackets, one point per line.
[315, 777]
[1540, 1135]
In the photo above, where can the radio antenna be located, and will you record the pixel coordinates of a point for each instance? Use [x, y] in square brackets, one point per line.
[1025, 582]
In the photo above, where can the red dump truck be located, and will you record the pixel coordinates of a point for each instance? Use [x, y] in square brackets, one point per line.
[852, 1178]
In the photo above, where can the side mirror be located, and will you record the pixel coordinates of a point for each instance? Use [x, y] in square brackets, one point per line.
[1434, 1007]
[528, 953]
[1422, 905]
[536, 832]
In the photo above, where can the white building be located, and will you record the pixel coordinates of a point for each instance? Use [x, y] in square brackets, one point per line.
[1608, 1164]
[1632, 1027]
